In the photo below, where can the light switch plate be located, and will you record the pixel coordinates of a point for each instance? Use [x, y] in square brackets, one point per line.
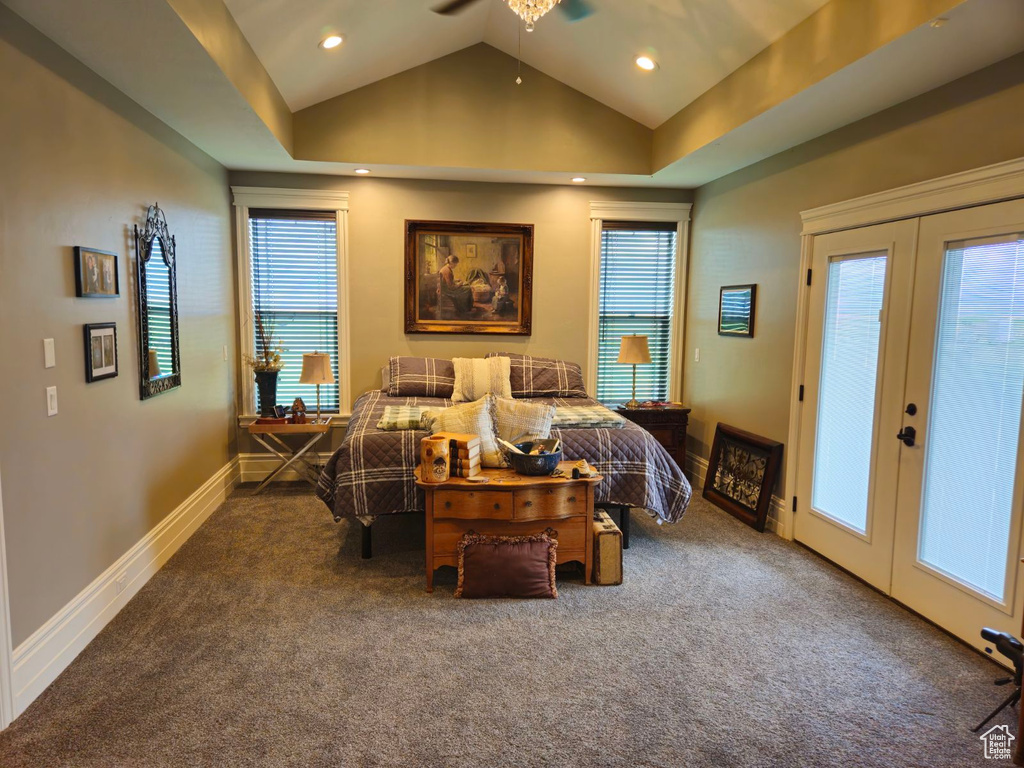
[49, 354]
[696, 354]
[51, 401]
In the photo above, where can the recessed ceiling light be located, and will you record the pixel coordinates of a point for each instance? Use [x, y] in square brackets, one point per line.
[362, 171]
[331, 41]
[578, 180]
[646, 63]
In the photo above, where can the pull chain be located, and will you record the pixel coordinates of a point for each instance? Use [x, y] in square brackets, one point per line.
[519, 58]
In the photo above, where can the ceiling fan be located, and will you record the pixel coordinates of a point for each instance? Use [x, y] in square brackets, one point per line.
[528, 10]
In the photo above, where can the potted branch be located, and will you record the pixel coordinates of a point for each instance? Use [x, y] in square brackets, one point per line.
[266, 364]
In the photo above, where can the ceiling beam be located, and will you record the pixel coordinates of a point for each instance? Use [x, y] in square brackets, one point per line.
[837, 35]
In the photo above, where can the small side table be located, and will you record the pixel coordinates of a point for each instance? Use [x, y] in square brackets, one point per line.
[667, 424]
[307, 471]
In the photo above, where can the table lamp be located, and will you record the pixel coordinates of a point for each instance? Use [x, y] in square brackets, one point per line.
[633, 351]
[316, 369]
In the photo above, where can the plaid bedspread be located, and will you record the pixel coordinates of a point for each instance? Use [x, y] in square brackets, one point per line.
[372, 472]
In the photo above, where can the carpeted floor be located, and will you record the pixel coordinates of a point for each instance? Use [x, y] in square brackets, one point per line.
[263, 643]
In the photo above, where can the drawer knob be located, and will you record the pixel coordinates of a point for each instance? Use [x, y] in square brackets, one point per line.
[572, 499]
[497, 506]
[447, 505]
[527, 503]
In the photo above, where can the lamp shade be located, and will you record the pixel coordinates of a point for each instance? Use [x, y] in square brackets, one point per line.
[633, 350]
[316, 368]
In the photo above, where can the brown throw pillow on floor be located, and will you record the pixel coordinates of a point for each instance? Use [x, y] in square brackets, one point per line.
[507, 566]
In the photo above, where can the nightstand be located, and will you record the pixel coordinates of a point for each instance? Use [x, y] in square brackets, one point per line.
[667, 424]
[312, 431]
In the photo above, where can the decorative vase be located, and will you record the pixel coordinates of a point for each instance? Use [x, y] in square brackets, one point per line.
[435, 455]
[266, 385]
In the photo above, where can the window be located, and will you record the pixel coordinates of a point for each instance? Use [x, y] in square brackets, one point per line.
[637, 296]
[294, 287]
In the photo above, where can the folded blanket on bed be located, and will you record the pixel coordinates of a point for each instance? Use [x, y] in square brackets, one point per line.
[583, 416]
[402, 417]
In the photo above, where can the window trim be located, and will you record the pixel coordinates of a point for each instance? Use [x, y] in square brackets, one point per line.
[245, 198]
[601, 211]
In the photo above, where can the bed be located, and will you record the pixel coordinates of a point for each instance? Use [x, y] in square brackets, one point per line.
[372, 472]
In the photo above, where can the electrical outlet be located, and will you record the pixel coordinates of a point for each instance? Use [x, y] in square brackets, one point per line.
[696, 354]
[122, 581]
[51, 401]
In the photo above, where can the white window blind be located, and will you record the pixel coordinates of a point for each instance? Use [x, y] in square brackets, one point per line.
[974, 424]
[295, 289]
[638, 275]
[846, 391]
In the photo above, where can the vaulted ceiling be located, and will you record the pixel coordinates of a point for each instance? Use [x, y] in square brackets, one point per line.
[411, 93]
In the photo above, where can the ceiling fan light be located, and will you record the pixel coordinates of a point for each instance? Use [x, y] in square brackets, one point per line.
[531, 10]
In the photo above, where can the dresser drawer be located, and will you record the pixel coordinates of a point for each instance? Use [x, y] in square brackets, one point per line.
[572, 533]
[665, 435]
[546, 503]
[495, 505]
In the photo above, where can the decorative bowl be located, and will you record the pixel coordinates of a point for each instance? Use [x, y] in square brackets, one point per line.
[538, 464]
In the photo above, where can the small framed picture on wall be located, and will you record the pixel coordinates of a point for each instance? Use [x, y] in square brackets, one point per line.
[100, 351]
[736, 306]
[96, 273]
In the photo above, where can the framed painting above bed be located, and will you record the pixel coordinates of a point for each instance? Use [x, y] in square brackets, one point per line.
[468, 277]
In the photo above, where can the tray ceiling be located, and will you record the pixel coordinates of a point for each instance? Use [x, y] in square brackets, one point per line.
[695, 42]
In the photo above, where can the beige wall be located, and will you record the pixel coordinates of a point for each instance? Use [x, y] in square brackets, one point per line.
[80, 163]
[378, 209]
[747, 230]
[465, 110]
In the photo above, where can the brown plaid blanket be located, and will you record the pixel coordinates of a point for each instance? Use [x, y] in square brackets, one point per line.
[372, 473]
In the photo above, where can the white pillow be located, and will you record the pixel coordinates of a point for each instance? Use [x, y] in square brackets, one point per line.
[479, 376]
[476, 418]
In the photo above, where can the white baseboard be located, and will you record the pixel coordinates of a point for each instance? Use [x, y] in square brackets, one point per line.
[52, 647]
[253, 467]
[697, 470]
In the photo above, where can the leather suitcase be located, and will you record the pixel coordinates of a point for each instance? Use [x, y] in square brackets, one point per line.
[607, 550]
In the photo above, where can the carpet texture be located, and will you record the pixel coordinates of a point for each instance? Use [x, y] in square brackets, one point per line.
[263, 643]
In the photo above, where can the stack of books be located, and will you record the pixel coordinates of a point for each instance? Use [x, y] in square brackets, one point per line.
[464, 454]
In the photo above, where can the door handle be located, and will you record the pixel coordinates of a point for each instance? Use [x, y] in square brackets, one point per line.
[908, 435]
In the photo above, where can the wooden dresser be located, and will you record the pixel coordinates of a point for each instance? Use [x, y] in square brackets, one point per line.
[667, 424]
[510, 505]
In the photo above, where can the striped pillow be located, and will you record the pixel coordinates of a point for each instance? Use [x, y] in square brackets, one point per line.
[476, 377]
[476, 418]
[543, 376]
[421, 377]
[518, 421]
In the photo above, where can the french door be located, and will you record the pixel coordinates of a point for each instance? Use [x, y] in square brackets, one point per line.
[911, 462]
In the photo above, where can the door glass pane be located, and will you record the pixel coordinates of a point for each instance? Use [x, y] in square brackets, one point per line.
[846, 392]
[974, 425]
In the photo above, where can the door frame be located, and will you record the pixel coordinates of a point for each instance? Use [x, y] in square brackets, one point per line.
[980, 186]
[6, 649]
